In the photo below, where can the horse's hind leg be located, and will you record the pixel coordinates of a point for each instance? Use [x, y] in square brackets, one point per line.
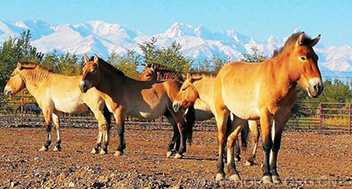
[120, 116]
[253, 127]
[56, 122]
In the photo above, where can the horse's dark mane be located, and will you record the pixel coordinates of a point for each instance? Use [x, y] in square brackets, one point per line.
[32, 65]
[165, 73]
[36, 72]
[159, 67]
[108, 66]
[203, 74]
[292, 40]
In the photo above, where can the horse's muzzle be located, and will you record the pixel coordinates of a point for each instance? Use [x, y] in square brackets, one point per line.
[7, 91]
[177, 106]
[83, 86]
[315, 88]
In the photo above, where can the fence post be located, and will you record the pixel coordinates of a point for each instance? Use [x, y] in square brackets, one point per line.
[321, 117]
[22, 108]
[349, 117]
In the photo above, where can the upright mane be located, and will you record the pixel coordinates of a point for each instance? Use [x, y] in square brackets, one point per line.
[292, 40]
[108, 66]
[159, 67]
[203, 74]
[165, 73]
[35, 71]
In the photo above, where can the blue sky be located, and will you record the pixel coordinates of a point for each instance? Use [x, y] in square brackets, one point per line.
[255, 18]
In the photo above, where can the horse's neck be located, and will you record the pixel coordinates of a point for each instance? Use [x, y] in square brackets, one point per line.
[33, 82]
[205, 89]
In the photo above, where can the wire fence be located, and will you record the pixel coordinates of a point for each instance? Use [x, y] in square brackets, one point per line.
[22, 111]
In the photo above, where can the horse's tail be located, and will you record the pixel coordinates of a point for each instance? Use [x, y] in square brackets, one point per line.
[107, 116]
[190, 119]
[244, 135]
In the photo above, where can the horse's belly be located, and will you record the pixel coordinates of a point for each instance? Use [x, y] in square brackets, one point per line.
[146, 112]
[71, 108]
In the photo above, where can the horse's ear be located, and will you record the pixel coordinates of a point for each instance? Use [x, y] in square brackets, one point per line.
[315, 40]
[19, 66]
[275, 53]
[153, 66]
[301, 38]
[96, 59]
[86, 58]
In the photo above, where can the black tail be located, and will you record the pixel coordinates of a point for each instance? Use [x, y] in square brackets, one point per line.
[244, 135]
[107, 116]
[190, 119]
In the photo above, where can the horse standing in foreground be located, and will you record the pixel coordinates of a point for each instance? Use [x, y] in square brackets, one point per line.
[157, 72]
[265, 91]
[56, 93]
[126, 96]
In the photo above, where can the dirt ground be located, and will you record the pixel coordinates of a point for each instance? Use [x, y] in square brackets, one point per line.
[306, 159]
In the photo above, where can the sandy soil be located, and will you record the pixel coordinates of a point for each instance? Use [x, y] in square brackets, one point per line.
[306, 159]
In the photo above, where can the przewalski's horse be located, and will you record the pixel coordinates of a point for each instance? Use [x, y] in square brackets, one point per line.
[265, 91]
[198, 87]
[157, 72]
[126, 96]
[56, 93]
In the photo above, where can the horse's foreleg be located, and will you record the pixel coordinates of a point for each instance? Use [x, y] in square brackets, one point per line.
[267, 145]
[278, 127]
[48, 131]
[182, 130]
[232, 138]
[56, 122]
[120, 121]
[253, 127]
[221, 121]
[174, 144]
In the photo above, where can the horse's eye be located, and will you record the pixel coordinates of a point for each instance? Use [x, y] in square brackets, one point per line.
[303, 58]
[147, 75]
[93, 71]
[184, 88]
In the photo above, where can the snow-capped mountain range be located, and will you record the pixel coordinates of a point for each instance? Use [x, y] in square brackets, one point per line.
[197, 43]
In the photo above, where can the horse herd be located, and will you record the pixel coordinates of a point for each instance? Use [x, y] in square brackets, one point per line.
[239, 93]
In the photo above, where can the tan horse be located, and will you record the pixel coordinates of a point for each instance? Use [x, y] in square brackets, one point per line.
[265, 91]
[126, 96]
[56, 93]
[198, 87]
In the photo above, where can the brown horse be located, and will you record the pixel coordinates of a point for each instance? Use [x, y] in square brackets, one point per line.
[154, 72]
[56, 93]
[265, 91]
[126, 96]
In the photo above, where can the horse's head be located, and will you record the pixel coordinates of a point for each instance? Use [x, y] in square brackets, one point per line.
[91, 74]
[187, 95]
[304, 65]
[16, 82]
[149, 74]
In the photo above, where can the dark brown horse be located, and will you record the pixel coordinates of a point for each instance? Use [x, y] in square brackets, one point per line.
[125, 96]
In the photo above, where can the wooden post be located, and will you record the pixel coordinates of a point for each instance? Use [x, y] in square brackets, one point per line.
[349, 118]
[321, 117]
[22, 108]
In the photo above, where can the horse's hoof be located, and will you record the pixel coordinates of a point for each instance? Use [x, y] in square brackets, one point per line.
[118, 153]
[249, 163]
[94, 151]
[57, 149]
[276, 179]
[103, 152]
[178, 156]
[235, 178]
[220, 177]
[267, 180]
[168, 154]
[43, 149]
[237, 159]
